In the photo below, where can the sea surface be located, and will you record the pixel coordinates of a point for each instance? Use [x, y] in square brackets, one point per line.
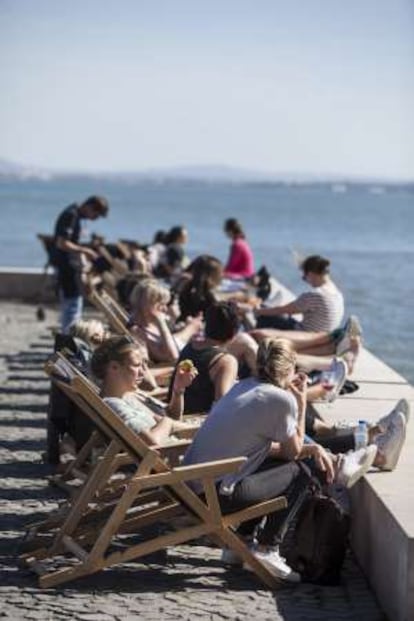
[367, 232]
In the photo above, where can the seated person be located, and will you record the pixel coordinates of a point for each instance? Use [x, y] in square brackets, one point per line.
[117, 364]
[174, 259]
[217, 369]
[240, 263]
[150, 322]
[322, 309]
[263, 418]
[197, 289]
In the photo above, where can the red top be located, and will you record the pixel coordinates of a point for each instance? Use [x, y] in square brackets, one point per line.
[240, 263]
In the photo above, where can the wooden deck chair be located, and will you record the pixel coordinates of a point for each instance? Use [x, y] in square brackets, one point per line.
[127, 532]
[116, 317]
[77, 472]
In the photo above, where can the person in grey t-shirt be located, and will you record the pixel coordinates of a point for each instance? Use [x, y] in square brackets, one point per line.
[263, 419]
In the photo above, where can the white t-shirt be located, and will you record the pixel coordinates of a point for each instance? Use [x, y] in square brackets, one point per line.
[244, 422]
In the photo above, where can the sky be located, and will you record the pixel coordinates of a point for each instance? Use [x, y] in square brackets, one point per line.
[320, 87]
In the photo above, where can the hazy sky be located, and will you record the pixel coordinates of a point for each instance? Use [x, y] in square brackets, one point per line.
[308, 86]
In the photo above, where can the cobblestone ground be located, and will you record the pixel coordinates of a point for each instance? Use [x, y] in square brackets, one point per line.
[186, 582]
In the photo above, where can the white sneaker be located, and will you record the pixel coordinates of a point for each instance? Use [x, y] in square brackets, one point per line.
[402, 406]
[276, 564]
[391, 442]
[354, 465]
[335, 376]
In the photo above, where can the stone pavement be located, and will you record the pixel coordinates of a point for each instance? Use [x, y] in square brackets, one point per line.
[186, 582]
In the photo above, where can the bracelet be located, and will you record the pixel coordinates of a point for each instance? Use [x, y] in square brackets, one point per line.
[179, 392]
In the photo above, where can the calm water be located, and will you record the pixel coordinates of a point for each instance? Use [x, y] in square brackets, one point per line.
[367, 235]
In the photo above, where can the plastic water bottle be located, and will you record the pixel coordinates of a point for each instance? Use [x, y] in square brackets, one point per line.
[361, 435]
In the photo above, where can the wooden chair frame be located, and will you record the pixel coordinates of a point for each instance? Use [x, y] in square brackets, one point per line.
[114, 314]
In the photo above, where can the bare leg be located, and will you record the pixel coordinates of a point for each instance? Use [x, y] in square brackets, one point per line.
[299, 338]
[313, 363]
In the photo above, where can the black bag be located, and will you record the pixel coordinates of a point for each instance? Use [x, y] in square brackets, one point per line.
[319, 540]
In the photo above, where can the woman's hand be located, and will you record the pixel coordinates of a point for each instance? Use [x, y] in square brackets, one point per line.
[158, 313]
[184, 377]
[298, 387]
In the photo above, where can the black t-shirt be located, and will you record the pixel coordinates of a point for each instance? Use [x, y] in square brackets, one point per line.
[199, 396]
[68, 264]
[68, 226]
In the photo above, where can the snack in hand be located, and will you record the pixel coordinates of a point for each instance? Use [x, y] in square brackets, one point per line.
[186, 365]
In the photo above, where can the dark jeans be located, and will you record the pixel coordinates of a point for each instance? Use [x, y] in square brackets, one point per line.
[278, 322]
[336, 443]
[273, 478]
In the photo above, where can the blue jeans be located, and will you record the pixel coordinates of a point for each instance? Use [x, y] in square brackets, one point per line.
[70, 311]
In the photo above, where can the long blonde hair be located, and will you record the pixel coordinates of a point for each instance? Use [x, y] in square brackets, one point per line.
[276, 360]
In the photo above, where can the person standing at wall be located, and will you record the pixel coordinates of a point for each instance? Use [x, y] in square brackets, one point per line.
[69, 254]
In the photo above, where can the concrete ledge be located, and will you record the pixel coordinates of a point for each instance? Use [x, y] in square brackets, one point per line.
[26, 284]
[383, 502]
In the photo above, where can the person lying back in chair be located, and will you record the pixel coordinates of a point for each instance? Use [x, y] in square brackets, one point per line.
[117, 363]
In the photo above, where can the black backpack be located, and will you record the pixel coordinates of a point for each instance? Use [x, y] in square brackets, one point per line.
[320, 540]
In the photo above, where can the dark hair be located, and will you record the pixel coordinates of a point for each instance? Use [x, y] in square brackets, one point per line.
[234, 227]
[160, 237]
[174, 234]
[98, 203]
[315, 264]
[197, 293]
[115, 348]
[221, 321]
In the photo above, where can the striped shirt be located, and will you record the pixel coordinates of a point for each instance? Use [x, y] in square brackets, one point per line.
[322, 308]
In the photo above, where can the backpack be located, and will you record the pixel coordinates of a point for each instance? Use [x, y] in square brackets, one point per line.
[320, 540]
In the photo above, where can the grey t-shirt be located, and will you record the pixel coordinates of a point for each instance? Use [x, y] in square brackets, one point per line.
[131, 412]
[244, 422]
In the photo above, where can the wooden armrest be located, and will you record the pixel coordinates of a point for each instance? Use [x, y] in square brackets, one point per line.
[211, 469]
[187, 433]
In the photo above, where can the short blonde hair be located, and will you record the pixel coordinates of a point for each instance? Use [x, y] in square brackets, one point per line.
[276, 359]
[147, 293]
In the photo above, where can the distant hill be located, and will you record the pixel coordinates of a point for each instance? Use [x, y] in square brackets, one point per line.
[197, 173]
[18, 171]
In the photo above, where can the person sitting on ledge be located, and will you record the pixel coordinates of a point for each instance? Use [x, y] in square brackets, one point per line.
[322, 309]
